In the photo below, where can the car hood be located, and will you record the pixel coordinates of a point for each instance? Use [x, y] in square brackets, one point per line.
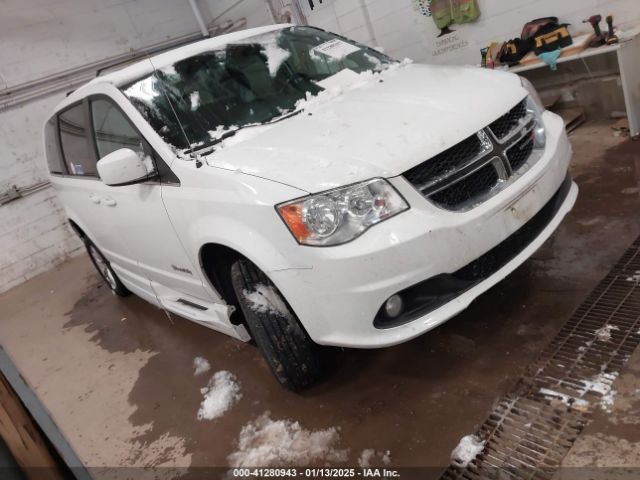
[380, 126]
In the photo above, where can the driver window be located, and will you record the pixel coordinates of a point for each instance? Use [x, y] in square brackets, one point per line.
[112, 130]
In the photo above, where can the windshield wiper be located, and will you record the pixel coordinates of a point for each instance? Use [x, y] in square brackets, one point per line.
[213, 142]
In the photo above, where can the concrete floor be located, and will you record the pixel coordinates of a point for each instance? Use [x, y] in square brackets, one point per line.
[117, 377]
[609, 448]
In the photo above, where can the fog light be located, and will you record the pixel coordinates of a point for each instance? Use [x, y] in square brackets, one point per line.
[393, 307]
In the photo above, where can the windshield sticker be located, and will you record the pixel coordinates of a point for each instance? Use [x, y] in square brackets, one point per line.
[336, 48]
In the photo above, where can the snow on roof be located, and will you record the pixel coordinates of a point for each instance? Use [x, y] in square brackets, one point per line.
[144, 67]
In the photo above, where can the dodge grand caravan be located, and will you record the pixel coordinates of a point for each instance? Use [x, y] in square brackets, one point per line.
[290, 186]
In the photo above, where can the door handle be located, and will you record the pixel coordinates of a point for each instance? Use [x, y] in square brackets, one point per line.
[94, 198]
[110, 202]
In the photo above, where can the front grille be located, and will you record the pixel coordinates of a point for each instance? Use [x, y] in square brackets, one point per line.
[473, 186]
[465, 175]
[428, 296]
[506, 124]
[520, 153]
[445, 162]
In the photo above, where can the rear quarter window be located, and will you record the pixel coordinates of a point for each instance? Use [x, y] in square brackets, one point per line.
[51, 147]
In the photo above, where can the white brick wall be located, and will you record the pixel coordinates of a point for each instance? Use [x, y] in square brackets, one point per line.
[43, 37]
[403, 32]
[34, 233]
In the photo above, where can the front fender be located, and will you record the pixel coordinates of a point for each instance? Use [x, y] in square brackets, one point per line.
[236, 211]
[268, 253]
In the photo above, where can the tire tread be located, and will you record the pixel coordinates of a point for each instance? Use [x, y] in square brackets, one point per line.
[292, 356]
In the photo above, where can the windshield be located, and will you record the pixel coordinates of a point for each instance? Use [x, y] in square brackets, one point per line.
[251, 82]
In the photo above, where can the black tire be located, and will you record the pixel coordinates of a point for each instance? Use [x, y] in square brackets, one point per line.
[103, 267]
[292, 356]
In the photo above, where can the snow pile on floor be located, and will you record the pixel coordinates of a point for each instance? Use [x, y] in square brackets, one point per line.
[200, 366]
[220, 395]
[365, 458]
[265, 299]
[604, 334]
[602, 384]
[370, 454]
[635, 278]
[467, 450]
[275, 443]
[607, 401]
[578, 403]
[584, 348]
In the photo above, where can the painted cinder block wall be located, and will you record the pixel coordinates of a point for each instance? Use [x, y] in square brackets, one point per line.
[41, 38]
[403, 31]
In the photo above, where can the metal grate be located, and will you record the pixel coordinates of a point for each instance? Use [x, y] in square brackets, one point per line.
[533, 427]
[506, 124]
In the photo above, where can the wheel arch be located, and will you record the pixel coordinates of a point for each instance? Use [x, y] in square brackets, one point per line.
[77, 230]
[215, 261]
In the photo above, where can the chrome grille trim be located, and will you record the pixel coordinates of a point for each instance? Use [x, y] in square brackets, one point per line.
[491, 151]
[528, 119]
[461, 176]
[452, 177]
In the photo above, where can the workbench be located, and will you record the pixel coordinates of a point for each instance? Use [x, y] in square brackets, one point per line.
[627, 55]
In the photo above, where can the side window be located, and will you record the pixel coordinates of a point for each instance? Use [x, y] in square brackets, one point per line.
[75, 147]
[52, 150]
[112, 130]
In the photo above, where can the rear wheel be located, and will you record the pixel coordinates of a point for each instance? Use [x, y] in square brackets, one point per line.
[106, 272]
[292, 356]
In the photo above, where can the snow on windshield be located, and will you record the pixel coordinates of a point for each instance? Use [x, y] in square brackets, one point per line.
[333, 87]
[275, 57]
[200, 101]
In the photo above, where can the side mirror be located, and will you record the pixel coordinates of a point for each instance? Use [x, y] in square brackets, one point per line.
[123, 167]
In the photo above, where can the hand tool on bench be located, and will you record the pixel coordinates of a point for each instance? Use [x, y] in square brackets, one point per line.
[612, 38]
[599, 39]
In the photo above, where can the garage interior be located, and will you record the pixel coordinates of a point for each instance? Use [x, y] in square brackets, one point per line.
[104, 387]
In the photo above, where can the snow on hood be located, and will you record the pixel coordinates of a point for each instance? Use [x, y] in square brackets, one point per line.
[375, 125]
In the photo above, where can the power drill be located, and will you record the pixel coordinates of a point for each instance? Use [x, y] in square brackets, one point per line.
[599, 39]
[612, 38]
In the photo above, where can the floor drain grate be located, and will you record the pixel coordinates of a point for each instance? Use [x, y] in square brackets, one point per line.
[533, 427]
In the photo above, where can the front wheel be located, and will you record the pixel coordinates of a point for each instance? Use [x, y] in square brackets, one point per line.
[292, 356]
[106, 272]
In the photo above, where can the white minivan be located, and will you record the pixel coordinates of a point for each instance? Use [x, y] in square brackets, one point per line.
[290, 186]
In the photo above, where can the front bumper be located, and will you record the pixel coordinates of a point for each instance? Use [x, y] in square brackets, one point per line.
[338, 299]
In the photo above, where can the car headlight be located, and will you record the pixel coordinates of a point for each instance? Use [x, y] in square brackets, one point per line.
[536, 108]
[341, 215]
